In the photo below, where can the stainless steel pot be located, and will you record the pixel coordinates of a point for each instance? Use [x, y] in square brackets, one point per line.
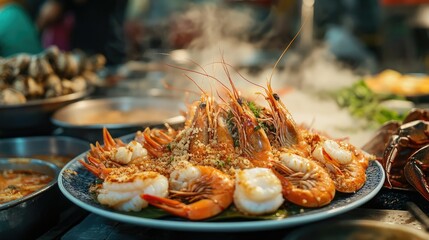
[31, 215]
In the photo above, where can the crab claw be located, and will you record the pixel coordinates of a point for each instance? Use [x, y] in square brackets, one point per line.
[416, 169]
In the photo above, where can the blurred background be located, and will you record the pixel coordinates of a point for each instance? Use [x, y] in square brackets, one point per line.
[366, 34]
[144, 48]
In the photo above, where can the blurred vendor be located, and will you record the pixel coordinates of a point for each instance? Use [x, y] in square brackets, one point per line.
[98, 25]
[18, 34]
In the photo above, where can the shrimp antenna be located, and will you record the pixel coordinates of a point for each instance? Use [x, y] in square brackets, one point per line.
[220, 97]
[185, 69]
[203, 74]
[286, 49]
[186, 75]
[241, 75]
[166, 85]
[199, 73]
[225, 67]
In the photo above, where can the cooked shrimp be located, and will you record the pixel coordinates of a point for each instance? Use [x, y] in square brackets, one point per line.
[222, 133]
[253, 140]
[209, 132]
[257, 191]
[304, 182]
[201, 125]
[345, 169]
[206, 191]
[277, 120]
[121, 190]
[122, 186]
[286, 130]
[128, 153]
[280, 120]
[116, 151]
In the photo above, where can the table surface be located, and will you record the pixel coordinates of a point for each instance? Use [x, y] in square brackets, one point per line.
[387, 206]
[96, 227]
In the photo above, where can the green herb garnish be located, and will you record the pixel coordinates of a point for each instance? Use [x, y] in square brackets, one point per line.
[256, 110]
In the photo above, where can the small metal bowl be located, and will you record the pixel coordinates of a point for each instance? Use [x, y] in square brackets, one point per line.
[357, 229]
[31, 215]
[34, 116]
[73, 119]
[56, 149]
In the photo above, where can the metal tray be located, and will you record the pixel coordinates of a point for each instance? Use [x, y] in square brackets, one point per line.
[65, 118]
[33, 147]
[34, 116]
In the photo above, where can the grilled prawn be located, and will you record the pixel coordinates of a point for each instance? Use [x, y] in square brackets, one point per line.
[343, 166]
[122, 187]
[304, 182]
[197, 192]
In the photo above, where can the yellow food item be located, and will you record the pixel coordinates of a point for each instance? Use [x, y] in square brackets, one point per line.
[391, 81]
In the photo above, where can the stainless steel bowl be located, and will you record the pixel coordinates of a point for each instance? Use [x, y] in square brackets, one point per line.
[356, 230]
[48, 147]
[34, 116]
[31, 215]
[71, 119]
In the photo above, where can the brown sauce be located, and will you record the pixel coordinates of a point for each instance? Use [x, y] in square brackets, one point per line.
[16, 184]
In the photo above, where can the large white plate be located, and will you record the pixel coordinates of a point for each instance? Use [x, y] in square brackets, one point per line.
[76, 188]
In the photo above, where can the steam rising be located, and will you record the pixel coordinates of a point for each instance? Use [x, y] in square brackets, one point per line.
[302, 80]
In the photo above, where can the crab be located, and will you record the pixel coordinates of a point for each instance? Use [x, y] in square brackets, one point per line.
[416, 171]
[403, 151]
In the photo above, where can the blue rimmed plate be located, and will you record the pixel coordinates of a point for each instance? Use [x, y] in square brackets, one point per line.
[74, 182]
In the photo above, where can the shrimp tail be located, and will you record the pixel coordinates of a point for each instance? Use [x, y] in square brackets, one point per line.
[153, 144]
[95, 166]
[196, 211]
[109, 141]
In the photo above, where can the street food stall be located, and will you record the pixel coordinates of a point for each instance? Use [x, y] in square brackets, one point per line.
[276, 125]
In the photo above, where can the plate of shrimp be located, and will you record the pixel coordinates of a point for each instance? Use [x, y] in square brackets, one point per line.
[231, 155]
